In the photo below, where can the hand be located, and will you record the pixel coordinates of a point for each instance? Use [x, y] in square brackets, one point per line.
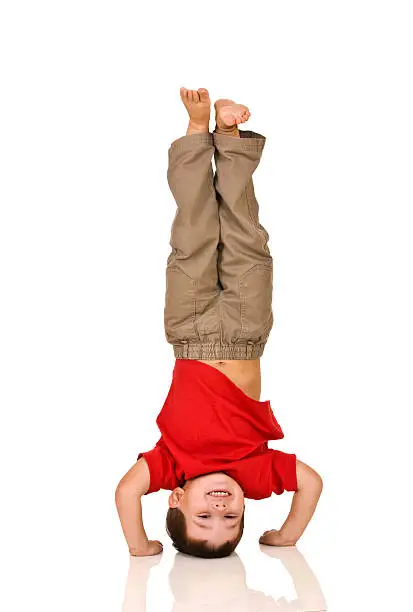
[273, 537]
[150, 548]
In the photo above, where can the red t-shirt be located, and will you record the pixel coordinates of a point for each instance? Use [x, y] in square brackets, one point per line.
[208, 424]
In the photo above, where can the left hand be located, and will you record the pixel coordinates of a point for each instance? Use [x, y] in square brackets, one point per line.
[273, 537]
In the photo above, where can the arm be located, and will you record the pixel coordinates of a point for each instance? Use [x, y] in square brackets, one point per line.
[309, 487]
[128, 496]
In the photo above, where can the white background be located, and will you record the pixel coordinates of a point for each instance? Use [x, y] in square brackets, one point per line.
[89, 105]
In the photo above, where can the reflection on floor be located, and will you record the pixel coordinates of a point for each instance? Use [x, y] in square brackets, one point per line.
[202, 585]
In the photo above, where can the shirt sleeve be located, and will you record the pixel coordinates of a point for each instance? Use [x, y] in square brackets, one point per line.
[161, 466]
[284, 472]
[268, 472]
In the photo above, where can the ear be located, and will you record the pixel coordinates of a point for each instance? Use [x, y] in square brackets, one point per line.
[175, 497]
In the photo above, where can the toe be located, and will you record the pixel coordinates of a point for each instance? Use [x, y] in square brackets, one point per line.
[203, 94]
[196, 96]
[190, 95]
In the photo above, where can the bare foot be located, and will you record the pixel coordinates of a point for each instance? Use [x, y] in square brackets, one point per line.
[198, 105]
[229, 115]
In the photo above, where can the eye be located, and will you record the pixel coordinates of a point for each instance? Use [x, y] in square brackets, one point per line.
[231, 516]
[204, 516]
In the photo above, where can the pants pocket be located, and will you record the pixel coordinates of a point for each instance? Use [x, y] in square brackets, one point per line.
[180, 306]
[255, 288]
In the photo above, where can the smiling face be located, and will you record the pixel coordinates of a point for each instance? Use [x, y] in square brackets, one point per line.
[213, 506]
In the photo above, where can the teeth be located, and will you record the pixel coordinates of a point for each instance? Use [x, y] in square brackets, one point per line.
[219, 493]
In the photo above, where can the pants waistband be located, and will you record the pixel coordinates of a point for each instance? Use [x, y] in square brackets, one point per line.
[187, 350]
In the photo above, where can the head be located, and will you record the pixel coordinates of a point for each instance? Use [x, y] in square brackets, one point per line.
[206, 516]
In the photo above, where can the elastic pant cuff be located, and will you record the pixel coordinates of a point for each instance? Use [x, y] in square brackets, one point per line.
[211, 352]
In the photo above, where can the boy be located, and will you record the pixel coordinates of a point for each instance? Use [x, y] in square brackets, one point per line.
[213, 451]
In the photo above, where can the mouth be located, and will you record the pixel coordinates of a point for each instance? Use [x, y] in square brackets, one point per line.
[219, 493]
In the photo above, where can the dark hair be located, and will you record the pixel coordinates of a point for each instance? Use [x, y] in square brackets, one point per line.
[176, 528]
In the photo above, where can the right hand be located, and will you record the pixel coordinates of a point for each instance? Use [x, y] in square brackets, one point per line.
[150, 548]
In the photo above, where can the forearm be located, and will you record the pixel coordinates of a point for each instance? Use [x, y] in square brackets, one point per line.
[129, 508]
[304, 503]
[305, 499]
[302, 509]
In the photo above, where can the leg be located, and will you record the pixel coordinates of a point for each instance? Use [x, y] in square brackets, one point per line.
[192, 287]
[245, 264]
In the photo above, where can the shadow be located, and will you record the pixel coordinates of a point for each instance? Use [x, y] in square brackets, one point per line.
[215, 585]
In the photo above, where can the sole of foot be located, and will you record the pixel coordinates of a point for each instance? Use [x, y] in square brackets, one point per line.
[198, 106]
[229, 115]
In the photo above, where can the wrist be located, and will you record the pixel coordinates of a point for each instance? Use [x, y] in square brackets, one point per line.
[288, 537]
[136, 551]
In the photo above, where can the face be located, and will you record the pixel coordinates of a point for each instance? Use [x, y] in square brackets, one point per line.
[213, 506]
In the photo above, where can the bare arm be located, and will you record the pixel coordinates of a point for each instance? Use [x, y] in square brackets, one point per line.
[305, 499]
[128, 496]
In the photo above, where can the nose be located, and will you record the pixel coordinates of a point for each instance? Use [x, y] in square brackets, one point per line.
[219, 504]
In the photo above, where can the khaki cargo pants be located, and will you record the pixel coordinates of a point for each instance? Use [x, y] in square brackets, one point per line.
[218, 301]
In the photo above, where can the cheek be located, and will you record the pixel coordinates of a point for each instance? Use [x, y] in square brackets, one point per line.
[191, 502]
[195, 494]
[241, 497]
[240, 503]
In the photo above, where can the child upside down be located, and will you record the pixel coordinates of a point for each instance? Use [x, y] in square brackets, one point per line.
[213, 450]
